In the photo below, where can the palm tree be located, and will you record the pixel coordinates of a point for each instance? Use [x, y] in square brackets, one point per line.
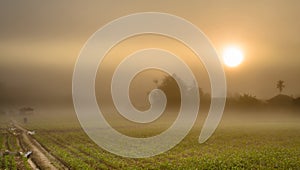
[280, 85]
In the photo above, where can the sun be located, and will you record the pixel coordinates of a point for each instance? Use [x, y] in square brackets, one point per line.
[232, 56]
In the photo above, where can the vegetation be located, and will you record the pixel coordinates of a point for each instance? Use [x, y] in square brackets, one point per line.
[280, 85]
[227, 149]
[9, 142]
[250, 138]
[248, 145]
[242, 101]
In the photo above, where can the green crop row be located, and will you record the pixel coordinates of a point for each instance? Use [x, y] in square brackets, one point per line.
[9, 162]
[226, 150]
[9, 142]
[257, 146]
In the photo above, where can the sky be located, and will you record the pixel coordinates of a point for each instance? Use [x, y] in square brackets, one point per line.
[40, 42]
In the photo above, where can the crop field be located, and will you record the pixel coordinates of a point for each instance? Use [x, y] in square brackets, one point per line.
[227, 149]
[10, 148]
[150, 85]
[252, 145]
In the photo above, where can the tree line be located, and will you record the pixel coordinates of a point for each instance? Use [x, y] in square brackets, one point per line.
[240, 101]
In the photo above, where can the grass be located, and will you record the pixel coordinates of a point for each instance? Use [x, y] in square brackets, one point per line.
[263, 144]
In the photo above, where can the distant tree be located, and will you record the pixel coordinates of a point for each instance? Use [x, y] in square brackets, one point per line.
[26, 110]
[248, 99]
[280, 85]
[171, 89]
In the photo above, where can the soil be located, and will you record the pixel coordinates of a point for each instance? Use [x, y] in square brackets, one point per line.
[41, 158]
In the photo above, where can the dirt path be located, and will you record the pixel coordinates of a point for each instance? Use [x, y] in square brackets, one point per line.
[30, 162]
[42, 158]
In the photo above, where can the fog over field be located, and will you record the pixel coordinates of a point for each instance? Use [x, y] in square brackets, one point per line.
[243, 55]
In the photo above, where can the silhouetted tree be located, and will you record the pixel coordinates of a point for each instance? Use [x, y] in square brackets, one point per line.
[171, 89]
[248, 99]
[280, 85]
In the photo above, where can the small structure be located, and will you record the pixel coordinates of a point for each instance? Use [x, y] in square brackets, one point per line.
[28, 154]
[31, 132]
[12, 129]
[26, 110]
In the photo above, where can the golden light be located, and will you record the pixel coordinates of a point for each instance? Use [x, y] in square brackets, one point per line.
[232, 56]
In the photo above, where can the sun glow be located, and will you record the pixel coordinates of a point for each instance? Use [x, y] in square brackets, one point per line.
[232, 56]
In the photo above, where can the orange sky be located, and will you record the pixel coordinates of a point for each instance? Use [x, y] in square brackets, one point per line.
[40, 41]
